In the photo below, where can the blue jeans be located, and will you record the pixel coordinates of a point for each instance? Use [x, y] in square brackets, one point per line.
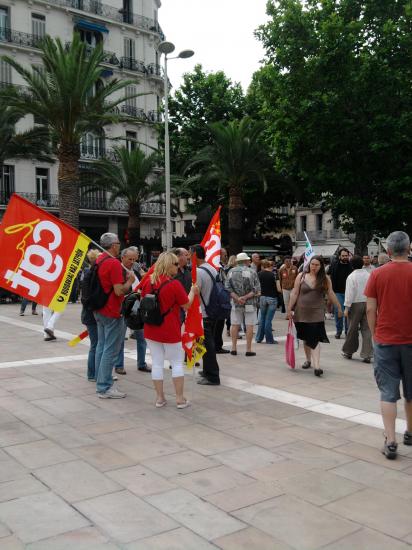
[91, 360]
[110, 335]
[339, 321]
[119, 364]
[141, 349]
[24, 304]
[267, 311]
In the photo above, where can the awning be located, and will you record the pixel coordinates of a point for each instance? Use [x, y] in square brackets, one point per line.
[259, 250]
[325, 250]
[106, 73]
[90, 26]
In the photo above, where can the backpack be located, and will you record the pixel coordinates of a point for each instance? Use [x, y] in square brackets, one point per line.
[219, 305]
[150, 307]
[131, 311]
[93, 295]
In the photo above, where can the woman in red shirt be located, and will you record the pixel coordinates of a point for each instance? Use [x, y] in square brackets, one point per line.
[165, 340]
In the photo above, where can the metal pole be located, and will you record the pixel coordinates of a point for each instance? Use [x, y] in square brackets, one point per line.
[167, 162]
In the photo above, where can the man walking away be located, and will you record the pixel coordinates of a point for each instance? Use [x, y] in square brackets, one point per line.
[383, 259]
[205, 273]
[244, 287]
[287, 275]
[355, 311]
[389, 298]
[339, 271]
[24, 303]
[109, 318]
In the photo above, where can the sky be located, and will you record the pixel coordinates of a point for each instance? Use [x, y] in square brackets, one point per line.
[219, 31]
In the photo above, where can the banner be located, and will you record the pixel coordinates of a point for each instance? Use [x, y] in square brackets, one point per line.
[192, 328]
[212, 241]
[41, 255]
[309, 252]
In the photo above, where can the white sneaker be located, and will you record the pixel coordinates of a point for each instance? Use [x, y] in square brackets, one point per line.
[112, 393]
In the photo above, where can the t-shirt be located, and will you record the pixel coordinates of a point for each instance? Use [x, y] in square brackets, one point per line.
[205, 284]
[268, 283]
[391, 285]
[110, 273]
[339, 272]
[172, 295]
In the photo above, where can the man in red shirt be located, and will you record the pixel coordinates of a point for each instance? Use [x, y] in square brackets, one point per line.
[109, 319]
[389, 298]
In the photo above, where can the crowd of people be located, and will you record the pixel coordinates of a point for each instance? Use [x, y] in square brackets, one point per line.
[370, 297]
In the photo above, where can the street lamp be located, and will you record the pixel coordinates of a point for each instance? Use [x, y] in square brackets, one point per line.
[167, 48]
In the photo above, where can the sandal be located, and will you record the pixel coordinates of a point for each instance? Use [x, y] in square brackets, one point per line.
[183, 405]
[306, 365]
[160, 404]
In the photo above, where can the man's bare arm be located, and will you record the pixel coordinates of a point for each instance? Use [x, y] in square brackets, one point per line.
[371, 313]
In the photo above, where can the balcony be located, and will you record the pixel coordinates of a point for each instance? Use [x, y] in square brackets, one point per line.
[96, 152]
[154, 116]
[153, 69]
[20, 38]
[89, 202]
[132, 64]
[103, 10]
[135, 112]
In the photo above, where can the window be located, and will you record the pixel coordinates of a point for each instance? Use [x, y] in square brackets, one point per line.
[127, 11]
[92, 146]
[6, 183]
[42, 184]
[319, 222]
[5, 73]
[129, 48]
[92, 38]
[95, 6]
[130, 100]
[303, 223]
[38, 25]
[4, 22]
[131, 138]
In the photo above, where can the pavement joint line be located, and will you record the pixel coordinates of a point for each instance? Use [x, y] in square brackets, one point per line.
[341, 412]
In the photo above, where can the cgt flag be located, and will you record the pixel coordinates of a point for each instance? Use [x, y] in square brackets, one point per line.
[192, 329]
[309, 252]
[212, 241]
[41, 255]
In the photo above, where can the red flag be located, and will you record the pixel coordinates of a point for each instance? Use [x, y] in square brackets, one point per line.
[40, 255]
[192, 328]
[212, 241]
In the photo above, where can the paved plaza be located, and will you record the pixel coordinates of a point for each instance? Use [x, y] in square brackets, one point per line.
[271, 459]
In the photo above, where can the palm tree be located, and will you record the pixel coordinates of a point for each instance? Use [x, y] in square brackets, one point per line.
[128, 179]
[32, 143]
[65, 96]
[235, 160]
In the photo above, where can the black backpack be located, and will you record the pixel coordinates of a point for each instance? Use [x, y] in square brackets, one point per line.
[93, 295]
[150, 307]
[219, 305]
[131, 311]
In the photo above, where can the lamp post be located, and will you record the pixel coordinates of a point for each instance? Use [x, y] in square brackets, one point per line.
[167, 48]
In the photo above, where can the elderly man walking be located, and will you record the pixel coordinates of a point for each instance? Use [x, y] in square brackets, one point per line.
[109, 318]
[389, 298]
[243, 284]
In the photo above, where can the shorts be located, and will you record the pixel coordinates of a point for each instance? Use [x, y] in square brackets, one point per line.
[238, 315]
[393, 363]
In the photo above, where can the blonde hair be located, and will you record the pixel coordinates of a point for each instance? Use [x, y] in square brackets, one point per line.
[266, 263]
[93, 254]
[163, 266]
[231, 261]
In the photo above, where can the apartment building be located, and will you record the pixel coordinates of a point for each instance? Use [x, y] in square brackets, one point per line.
[130, 33]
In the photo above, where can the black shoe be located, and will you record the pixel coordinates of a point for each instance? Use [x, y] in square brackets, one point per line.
[206, 382]
[120, 371]
[306, 365]
[145, 369]
[222, 350]
[318, 372]
[338, 335]
[233, 352]
[390, 450]
[366, 360]
[49, 338]
[202, 374]
[250, 353]
[346, 355]
[407, 438]
[50, 333]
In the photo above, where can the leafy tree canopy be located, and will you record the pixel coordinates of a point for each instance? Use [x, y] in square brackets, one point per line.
[335, 91]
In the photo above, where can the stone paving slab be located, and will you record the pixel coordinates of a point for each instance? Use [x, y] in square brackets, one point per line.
[238, 470]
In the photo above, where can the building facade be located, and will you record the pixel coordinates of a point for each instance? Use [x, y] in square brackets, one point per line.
[130, 34]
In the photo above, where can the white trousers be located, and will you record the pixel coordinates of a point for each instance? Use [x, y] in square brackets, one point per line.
[49, 318]
[286, 298]
[171, 352]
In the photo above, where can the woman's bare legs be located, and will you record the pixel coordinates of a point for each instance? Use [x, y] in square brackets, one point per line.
[158, 385]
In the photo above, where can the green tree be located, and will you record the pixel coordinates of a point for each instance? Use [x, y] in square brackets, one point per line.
[233, 163]
[66, 98]
[129, 179]
[335, 92]
[32, 143]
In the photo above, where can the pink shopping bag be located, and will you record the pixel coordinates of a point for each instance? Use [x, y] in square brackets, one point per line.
[291, 344]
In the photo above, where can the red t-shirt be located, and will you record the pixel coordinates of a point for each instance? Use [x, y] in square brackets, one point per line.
[391, 285]
[172, 295]
[110, 273]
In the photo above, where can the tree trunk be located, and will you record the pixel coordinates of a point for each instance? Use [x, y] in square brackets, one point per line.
[133, 225]
[68, 183]
[235, 221]
[362, 239]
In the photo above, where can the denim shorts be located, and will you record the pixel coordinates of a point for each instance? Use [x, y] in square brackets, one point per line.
[393, 363]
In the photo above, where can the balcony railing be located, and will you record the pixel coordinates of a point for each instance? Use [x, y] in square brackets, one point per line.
[153, 69]
[154, 116]
[96, 152]
[88, 202]
[132, 65]
[98, 8]
[20, 38]
[135, 112]
[321, 235]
